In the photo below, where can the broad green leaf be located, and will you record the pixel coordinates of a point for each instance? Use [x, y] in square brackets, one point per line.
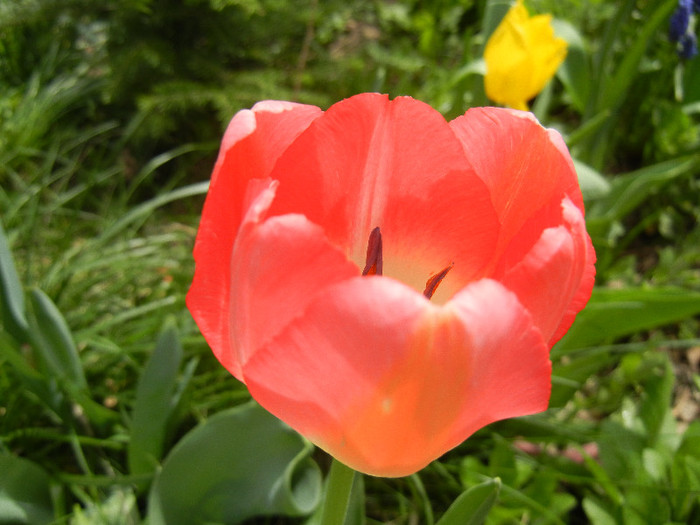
[685, 474]
[474, 67]
[654, 463]
[593, 184]
[502, 462]
[575, 72]
[690, 444]
[25, 496]
[613, 313]
[53, 342]
[628, 191]
[473, 505]
[59, 361]
[620, 450]
[154, 403]
[601, 476]
[240, 463]
[12, 305]
[597, 513]
[656, 403]
[645, 504]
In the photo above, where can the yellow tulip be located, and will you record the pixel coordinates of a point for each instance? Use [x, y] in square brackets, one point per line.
[521, 56]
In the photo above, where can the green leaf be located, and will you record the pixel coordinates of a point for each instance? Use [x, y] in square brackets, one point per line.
[355, 514]
[160, 160]
[656, 404]
[341, 485]
[629, 191]
[502, 462]
[593, 184]
[153, 406]
[542, 428]
[494, 12]
[473, 505]
[522, 499]
[53, 342]
[601, 476]
[59, 361]
[145, 209]
[575, 72]
[655, 464]
[685, 474]
[24, 492]
[597, 513]
[617, 86]
[12, 305]
[570, 375]
[120, 508]
[240, 463]
[32, 380]
[620, 451]
[586, 130]
[613, 313]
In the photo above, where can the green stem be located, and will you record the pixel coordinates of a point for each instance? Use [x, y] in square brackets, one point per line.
[340, 482]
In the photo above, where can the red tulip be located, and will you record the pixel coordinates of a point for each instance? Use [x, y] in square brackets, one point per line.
[387, 282]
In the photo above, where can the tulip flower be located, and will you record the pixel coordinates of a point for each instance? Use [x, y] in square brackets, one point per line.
[384, 281]
[521, 56]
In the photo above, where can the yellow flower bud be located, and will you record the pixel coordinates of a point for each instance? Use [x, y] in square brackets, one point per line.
[521, 56]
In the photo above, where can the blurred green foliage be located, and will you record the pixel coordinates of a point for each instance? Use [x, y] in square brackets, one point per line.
[110, 117]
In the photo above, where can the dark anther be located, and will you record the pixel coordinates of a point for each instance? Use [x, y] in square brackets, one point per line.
[432, 284]
[373, 266]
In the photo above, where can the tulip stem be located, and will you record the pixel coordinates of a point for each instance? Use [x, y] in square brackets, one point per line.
[340, 482]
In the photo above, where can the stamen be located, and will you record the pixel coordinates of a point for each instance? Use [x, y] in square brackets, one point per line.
[374, 262]
[373, 266]
[432, 284]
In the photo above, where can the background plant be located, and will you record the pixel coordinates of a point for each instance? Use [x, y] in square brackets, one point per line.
[110, 116]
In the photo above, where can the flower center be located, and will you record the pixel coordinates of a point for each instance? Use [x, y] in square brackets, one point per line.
[373, 264]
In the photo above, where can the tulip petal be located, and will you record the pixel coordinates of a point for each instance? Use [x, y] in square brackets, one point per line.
[585, 258]
[525, 166]
[554, 279]
[277, 268]
[509, 64]
[548, 51]
[521, 57]
[252, 143]
[386, 381]
[370, 161]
